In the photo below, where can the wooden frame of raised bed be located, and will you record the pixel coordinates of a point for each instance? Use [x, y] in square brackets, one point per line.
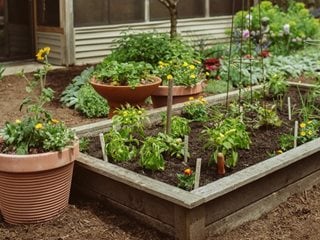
[208, 210]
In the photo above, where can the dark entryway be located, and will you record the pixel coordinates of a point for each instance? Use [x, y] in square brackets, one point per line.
[16, 30]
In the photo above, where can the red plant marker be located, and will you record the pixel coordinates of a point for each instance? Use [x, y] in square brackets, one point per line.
[220, 164]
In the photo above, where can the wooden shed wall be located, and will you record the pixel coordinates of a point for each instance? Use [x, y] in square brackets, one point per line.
[92, 44]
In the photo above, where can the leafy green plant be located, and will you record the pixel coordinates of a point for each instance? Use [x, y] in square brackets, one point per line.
[181, 72]
[267, 116]
[227, 137]
[174, 146]
[84, 143]
[308, 131]
[179, 126]
[151, 47]
[151, 153]
[286, 142]
[277, 85]
[38, 131]
[124, 74]
[90, 103]
[217, 86]
[69, 97]
[186, 180]
[196, 109]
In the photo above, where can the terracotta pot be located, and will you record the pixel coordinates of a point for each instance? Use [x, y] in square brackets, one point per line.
[180, 94]
[36, 187]
[120, 95]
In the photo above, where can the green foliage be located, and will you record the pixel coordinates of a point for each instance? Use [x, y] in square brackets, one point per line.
[196, 109]
[217, 86]
[90, 103]
[182, 73]
[267, 116]
[174, 146]
[227, 137]
[308, 131]
[69, 96]
[277, 85]
[179, 126]
[151, 47]
[124, 74]
[2, 68]
[286, 142]
[186, 180]
[37, 132]
[84, 143]
[151, 153]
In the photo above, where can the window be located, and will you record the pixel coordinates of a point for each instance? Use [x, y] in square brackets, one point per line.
[48, 13]
[186, 9]
[102, 12]
[220, 8]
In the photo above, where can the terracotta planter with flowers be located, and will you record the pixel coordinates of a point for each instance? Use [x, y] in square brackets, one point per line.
[122, 83]
[37, 154]
[36, 187]
[187, 81]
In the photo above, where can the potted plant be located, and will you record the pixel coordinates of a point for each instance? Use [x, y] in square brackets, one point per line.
[37, 155]
[124, 82]
[187, 81]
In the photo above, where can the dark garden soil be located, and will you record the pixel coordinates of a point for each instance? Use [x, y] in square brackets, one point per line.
[297, 218]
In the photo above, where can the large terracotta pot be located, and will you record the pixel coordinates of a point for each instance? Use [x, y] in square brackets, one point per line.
[36, 187]
[120, 95]
[180, 94]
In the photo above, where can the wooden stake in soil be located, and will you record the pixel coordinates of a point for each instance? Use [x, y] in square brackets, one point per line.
[198, 171]
[169, 106]
[220, 164]
[295, 134]
[103, 147]
[289, 108]
[186, 148]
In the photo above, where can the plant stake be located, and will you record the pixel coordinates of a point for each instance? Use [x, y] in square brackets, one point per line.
[295, 134]
[220, 164]
[289, 108]
[198, 171]
[103, 149]
[169, 106]
[186, 146]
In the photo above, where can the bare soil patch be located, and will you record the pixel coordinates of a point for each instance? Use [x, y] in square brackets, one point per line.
[298, 218]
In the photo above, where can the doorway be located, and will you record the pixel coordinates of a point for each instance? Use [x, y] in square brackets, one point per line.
[16, 30]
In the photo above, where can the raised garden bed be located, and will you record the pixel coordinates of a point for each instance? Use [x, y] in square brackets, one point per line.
[213, 208]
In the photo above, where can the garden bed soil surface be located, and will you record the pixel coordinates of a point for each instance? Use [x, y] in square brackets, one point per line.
[298, 218]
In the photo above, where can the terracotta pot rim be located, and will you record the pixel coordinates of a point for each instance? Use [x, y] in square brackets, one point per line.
[179, 90]
[93, 81]
[38, 162]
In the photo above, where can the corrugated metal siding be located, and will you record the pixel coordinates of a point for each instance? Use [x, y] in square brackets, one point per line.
[92, 44]
[56, 42]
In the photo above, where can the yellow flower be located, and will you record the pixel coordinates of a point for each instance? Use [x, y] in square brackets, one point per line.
[193, 76]
[279, 151]
[310, 133]
[18, 121]
[169, 77]
[303, 133]
[54, 121]
[192, 67]
[188, 171]
[140, 112]
[207, 73]
[38, 126]
[191, 98]
[160, 63]
[46, 50]
[42, 53]
[302, 125]
[185, 64]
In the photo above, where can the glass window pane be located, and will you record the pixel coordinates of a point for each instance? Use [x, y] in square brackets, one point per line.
[220, 8]
[186, 9]
[103, 12]
[48, 13]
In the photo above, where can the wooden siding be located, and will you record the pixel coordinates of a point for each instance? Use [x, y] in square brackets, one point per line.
[57, 44]
[92, 44]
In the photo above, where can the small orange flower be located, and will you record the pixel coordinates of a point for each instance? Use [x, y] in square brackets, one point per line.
[187, 172]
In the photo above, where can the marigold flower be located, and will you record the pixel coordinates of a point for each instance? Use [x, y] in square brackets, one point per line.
[18, 121]
[193, 76]
[191, 98]
[185, 64]
[302, 125]
[38, 126]
[310, 133]
[303, 133]
[169, 77]
[192, 67]
[187, 172]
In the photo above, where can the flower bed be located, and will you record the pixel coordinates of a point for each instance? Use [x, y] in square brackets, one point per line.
[217, 206]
